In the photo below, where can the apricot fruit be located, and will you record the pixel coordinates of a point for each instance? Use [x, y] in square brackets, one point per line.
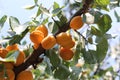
[36, 36]
[66, 54]
[3, 52]
[48, 42]
[76, 22]
[65, 40]
[68, 44]
[8, 74]
[20, 59]
[63, 37]
[12, 47]
[43, 29]
[8, 65]
[25, 75]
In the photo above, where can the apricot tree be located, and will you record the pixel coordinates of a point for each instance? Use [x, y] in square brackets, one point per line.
[58, 43]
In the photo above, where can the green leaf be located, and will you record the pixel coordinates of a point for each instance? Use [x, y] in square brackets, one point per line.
[77, 53]
[110, 36]
[35, 1]
[13, 22]
[54, 59]
[52, 27]
[38, 12]
[62, 72]
[102, 48]
[62, 19]
[29, 7]
[18, 30]
[11, 56]
[104, 23]
[36, 72]
[28, 51]
[48, 68]
[75, 73]
[95, 31]
[117, 16]
[89, 56]
[56, 5]
[18, 38]
[97, 15]
[45, 10]
[102, 2]
[2, 21]
[56, 11]
[45, 21]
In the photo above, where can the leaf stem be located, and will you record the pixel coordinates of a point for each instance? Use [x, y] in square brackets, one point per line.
[81, 35]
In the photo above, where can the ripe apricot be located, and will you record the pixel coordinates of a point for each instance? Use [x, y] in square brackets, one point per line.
[66, 54]
[63, 37]
[20, 59]
[69, 44]
[3, 52]
[25, 75]
[8, 74]
[43, 29]
[65, 40]
[12, 47]
[8, 65]
[76, 22]
[48, 42]
[36, 36]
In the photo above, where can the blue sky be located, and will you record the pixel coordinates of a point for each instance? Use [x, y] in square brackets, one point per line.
[15, 8]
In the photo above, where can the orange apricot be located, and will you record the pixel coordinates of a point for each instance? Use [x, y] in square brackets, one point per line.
[25, 75]
[63, 37]
[68, 44]
[8, 74]
[12, 47]
[20, 59]
[65, 40]
[66, 54]
[36, 36]
[76, 22]
[8, 65]
[43, 29]
[48, 42]
[3, 52]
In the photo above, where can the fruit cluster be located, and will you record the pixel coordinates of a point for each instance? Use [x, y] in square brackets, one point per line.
[39, 36]
[64, 39]
[7, 72]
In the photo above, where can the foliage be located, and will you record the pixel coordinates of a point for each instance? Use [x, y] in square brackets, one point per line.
[55, 18]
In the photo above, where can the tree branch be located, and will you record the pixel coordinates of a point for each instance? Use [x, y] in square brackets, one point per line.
[81, 11]
[34, 59]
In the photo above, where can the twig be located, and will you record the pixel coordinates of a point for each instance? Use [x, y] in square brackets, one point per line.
[97, 70]
[81, 35]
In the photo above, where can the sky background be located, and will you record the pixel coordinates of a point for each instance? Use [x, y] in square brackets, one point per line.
[15, 8]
